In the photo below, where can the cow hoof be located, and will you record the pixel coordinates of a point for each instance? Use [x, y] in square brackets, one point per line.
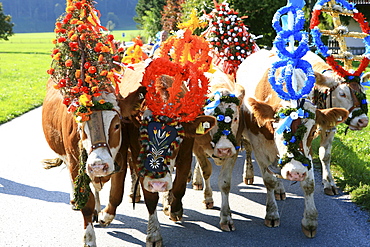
[197, 186]
[310, 233]
[248, 181]
[158, 243]
[131, 199]
[272, 223]
[176, 216]
[227, 227]
[105, 219]
[208, 204]
[280, 196]
[331, 191]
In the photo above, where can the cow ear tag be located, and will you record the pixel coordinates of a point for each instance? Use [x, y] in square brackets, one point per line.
[206, 125]
[200, 129]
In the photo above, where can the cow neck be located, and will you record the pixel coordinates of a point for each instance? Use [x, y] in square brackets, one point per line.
[293, 131]
[97, 134]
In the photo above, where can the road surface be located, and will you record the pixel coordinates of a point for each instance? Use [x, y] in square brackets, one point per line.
[35, 210]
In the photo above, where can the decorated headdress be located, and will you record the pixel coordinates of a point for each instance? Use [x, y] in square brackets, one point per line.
[184, 58]
[336, 8]
[229, 38]
[82, 65]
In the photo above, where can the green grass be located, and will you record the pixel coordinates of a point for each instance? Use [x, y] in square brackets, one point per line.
[24, 60]
[350, 163]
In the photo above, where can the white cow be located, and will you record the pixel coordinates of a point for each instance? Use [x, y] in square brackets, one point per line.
[264, 115]
[331, 91]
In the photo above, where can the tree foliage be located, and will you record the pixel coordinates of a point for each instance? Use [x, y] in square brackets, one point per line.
[6, 26]
[149, 12]
[171, 15]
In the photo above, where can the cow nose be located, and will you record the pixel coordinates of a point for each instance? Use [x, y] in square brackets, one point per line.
[98, 168]
[157, 186]
[362, 123]
[222, 152]
[296, 176]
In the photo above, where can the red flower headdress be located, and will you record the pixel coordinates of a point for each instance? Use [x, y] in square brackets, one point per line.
[185, 59]
[82, 65]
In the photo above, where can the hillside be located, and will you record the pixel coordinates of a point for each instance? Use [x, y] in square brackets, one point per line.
[40, 15]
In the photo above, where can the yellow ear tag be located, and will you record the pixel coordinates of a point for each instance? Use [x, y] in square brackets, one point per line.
[200, 129]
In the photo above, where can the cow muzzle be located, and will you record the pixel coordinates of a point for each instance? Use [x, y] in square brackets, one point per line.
[99, 164]
[158, 185]
[294, 171]
[358, 123]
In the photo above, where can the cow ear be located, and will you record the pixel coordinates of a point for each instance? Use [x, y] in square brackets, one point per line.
[323, 81]
[329, 118]
[131, 105]
[365, 77]
[239, 92]
[200, 126]
[264, 113]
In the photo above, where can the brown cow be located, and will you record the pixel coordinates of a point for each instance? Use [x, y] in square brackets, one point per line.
[222, 143]
[180, 158]
[271, 137]
[101, 138]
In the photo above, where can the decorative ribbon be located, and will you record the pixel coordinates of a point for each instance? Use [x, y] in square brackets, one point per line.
[289, 119]
[209, 108]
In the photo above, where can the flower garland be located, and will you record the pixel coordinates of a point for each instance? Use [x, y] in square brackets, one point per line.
[82, 64]
[81, 183]
[158, 165]
[185, 59]
[229, 38]
[134, 53]
[290, 60]
[324, 50]
[224, 119]
[293, 139]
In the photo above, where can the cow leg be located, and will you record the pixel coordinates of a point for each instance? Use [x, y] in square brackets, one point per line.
[107, 215]
[248, 174]
[154, 237]
[183, 166]
[205, 166]
[88, 212]
[197, 177]
[309, 221]
[272, 218]
[134, 178]
[326, 141]
[224, 183]
[280, 190]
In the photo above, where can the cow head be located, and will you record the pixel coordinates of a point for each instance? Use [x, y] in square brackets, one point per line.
[101, 135]
[293, 132]
[336, 92]
[161, 138]
[225, 106]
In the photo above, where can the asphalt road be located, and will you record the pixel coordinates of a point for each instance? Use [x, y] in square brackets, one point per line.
[35, 210]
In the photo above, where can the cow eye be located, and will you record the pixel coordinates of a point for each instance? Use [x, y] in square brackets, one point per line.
[116, 127]
[235, 119]
[342, 94]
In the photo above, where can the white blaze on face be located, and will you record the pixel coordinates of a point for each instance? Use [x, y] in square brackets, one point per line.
[161, 184]
[295, 170]
[100, 161]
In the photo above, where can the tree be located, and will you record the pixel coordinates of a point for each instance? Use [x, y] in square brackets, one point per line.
[144, 8]
[171, 15]
[6, 26]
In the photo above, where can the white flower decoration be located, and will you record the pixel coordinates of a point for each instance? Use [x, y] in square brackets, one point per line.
[227, 119]
[294, 115]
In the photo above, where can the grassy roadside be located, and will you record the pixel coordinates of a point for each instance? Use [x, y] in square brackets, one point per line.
[25, 58]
